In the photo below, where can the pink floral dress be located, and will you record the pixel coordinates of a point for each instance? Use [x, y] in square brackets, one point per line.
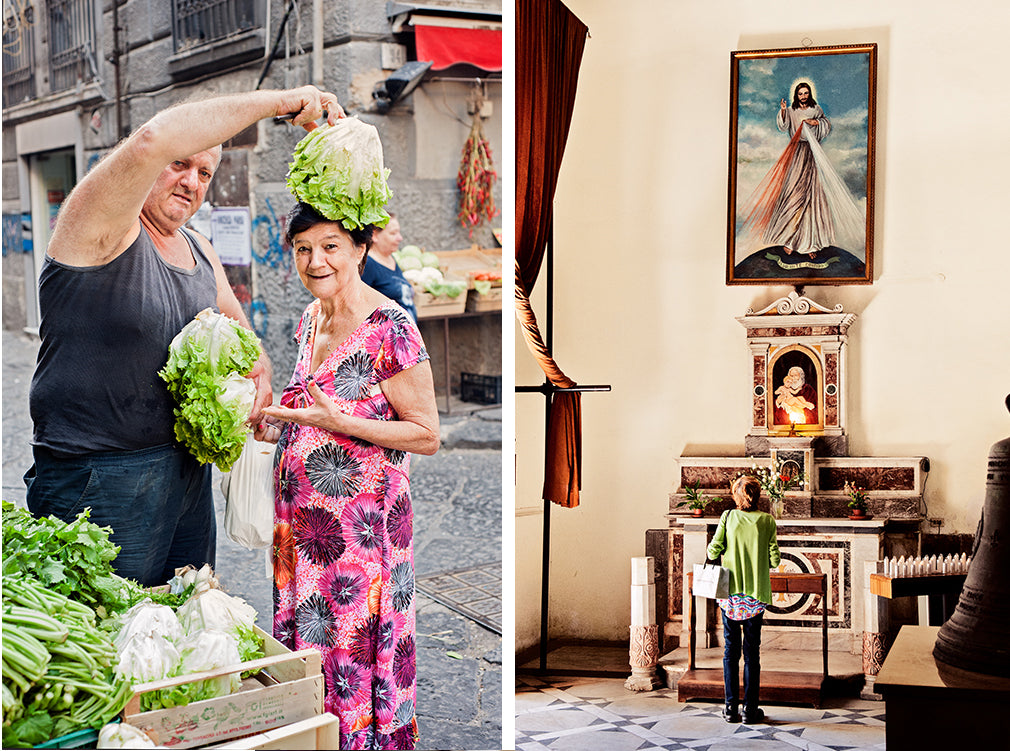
[343, 536]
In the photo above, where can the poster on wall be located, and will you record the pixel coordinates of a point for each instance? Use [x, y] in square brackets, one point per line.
[231, 235]
[801, 166]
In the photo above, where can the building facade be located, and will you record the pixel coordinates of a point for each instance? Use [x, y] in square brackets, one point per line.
[79, 75]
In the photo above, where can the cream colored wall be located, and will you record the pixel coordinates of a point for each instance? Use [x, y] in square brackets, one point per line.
[641, 301]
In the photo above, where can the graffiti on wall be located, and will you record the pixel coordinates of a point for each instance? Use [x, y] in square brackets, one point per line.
[275, 253]
[17, 233]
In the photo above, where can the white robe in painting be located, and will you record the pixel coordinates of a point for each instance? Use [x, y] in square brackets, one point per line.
[802, 203]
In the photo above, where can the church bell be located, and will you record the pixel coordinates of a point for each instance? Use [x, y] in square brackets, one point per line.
[976, 638]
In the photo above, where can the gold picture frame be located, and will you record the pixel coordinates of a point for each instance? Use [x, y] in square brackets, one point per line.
[801, 167]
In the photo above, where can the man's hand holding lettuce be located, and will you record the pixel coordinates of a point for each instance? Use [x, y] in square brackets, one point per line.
[208, 362]
[338, 171]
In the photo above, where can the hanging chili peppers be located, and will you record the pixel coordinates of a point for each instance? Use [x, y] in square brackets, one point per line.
[476, 178]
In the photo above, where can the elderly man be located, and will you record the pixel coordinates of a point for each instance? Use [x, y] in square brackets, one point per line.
[795, 400]
[121, 278]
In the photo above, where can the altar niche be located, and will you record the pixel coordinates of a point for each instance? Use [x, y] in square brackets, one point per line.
[795, 401]
[798, 351]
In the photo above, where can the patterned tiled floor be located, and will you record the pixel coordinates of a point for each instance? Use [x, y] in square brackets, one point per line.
[586, 714]
[474, 593]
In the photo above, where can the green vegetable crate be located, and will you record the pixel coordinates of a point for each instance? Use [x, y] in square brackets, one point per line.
[287, 689]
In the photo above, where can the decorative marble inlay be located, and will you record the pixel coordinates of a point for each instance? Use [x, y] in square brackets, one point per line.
[792, 331]
[831, 557]
[831, 389]
[760, 390]
[711, 478]
[871, 478]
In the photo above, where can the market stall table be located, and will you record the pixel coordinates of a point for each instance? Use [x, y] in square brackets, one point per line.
[445, 318]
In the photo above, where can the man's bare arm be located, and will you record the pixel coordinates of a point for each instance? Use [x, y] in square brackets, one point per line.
[99, 219]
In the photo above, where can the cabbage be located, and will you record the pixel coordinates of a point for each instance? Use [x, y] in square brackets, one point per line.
[121, 735]
[205, 373]
[428, 275]
[408, 263]
[338, 171]
[410, 250]
[429, 260]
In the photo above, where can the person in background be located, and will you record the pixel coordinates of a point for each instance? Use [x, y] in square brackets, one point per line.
[746, 540]
[360, 400]
[121, 278]
[381, 271]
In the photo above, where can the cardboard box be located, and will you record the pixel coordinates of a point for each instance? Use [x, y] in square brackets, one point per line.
[288, 689]
[320, 732]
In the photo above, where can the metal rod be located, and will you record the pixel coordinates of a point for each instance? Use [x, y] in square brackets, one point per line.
[545, 567]
[549, 388]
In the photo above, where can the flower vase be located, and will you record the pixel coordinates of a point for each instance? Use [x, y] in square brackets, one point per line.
[777, 506]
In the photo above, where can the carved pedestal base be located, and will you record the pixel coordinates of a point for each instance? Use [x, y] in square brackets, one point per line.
[644, 655]
[874, 651]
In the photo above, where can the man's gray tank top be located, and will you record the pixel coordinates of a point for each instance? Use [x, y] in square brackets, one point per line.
[105, 334]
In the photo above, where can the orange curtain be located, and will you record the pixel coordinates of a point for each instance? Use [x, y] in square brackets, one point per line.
[549, 45]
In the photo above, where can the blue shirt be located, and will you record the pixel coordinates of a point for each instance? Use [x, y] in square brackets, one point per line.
[391, 283]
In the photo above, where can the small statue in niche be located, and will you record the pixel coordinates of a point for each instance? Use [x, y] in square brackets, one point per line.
[795, 400]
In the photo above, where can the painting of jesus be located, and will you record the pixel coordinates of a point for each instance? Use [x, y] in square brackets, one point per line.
[801, 180]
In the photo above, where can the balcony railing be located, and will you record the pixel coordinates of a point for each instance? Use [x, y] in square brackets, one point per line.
[18, 56]
[71, 43]
[197, 22]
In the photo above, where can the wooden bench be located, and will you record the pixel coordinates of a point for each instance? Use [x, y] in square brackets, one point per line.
[777, 686]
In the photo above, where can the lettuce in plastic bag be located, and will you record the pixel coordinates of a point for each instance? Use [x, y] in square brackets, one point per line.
[338, 171]
[205, 373]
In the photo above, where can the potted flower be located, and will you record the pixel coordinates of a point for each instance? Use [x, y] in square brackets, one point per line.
[776, 481]
[695, 499]
[857, 501]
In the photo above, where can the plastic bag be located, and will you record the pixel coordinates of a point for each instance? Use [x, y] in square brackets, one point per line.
[711, 581]
[249, 492]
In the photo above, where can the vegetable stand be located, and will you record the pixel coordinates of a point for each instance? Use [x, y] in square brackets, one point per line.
[84, 648]
[447, 364]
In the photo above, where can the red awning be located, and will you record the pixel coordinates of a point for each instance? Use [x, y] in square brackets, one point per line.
[446, 46]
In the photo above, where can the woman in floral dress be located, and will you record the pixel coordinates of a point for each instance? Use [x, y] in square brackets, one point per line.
[359, 402]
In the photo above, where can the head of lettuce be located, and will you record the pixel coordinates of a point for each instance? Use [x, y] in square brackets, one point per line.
[338, 171]
[207, 364]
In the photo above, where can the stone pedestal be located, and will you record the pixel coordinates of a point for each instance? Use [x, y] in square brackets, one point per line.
[644, 642]
[875, 634]
[644, 656]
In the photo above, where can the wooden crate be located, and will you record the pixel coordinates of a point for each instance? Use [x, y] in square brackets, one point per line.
[288, 689]
[320, 732]
[492, 300]
[428, 305]
[465, 263]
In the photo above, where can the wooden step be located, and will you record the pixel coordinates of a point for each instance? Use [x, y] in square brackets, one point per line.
[776, 686]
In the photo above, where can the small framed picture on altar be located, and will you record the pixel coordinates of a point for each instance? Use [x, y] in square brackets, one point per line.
[801, 166]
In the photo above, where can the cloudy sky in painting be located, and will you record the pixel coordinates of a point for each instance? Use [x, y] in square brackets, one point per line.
[840, 84]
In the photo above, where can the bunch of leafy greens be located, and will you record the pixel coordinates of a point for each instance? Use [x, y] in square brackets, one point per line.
[72, 559]
[338, 171]
[207, 364]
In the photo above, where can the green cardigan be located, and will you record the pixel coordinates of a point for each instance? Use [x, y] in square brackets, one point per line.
[751, 551]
